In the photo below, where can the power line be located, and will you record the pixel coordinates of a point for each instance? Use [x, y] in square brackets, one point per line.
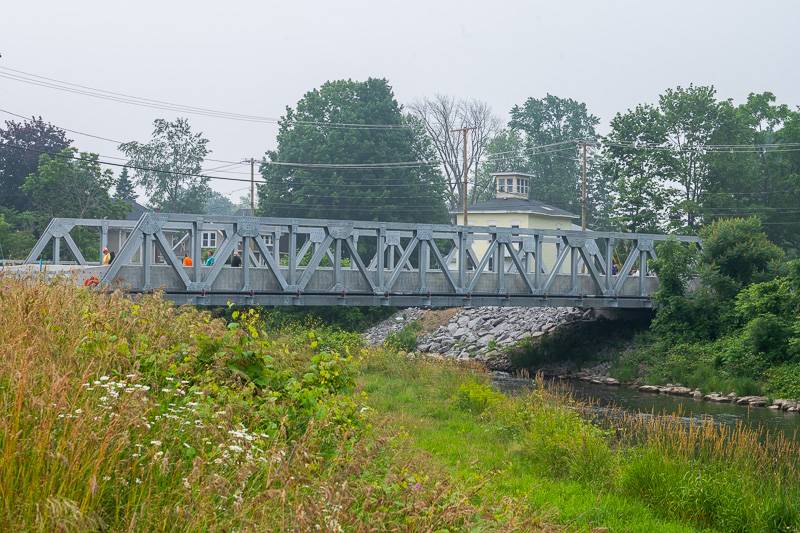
[119, 97]
[709, 148]
[204, 176]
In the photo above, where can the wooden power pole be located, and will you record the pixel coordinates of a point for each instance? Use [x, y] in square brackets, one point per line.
[464, 131]
[583, 187]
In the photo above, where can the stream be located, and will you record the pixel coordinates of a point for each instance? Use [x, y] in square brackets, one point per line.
[605, 398]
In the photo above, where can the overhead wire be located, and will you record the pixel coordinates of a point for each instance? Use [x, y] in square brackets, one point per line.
[53, 83]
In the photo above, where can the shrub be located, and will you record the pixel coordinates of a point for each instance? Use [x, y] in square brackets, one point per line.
[738, 252]
[784, 381]
[405, 338]
[776, 297]
[769, 335]
[675, 266]
[476, 397]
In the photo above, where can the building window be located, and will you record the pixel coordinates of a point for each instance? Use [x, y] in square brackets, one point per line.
[209, 239]
[522, 186]
[501, 184]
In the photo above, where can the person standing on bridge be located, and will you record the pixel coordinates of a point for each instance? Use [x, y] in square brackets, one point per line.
[187, 261]
[210, 260]
[236, 260]
[106, 256]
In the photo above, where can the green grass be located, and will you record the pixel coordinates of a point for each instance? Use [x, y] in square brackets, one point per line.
[419, 398]
[140, 416]
[539, 451]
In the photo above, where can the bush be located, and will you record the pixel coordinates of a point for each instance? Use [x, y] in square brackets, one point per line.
[769, 335]
[675, 266]
[337, 317]
[784, 381]
[737, 252]
[476, 397]
[404, 339]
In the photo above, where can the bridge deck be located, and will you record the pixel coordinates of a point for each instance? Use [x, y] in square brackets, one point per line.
[328, 262]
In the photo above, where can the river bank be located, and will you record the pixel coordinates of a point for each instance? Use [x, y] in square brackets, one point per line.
[566, 344]
[166, 418]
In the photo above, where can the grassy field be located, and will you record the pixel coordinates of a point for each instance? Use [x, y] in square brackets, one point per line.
[140, 416]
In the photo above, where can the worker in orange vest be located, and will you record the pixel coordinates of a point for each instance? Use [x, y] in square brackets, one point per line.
[187, 261]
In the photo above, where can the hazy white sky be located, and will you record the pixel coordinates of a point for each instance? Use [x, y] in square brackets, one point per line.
[257, 57]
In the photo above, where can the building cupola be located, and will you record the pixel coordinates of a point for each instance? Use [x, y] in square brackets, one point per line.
[511, 185]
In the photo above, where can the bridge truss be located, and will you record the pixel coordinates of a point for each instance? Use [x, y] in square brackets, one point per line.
[336, 262]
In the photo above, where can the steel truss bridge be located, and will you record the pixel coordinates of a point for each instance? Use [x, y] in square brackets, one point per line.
[336, 262]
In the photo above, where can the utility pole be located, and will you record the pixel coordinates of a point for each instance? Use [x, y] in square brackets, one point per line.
[253, 186]
[464, 131]
[583, 187]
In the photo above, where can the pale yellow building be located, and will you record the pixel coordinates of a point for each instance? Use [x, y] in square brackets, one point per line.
[512, 208]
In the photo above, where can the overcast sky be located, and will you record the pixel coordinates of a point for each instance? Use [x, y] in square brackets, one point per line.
[257, 57]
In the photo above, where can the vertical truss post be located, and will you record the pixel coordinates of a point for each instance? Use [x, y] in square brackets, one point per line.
[197, 248]
[292, 253]
[538, 270]
[147, 259]
[103, 239]
[609, 261]
[645, 247]
[424, 236]
[573, 270]
[500, 260]
[276, 245]
[246, 263]
[56, 250]
[462, 258]
[423, 256]
[381, 256]
[337, 265]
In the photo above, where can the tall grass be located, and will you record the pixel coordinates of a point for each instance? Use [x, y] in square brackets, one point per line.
[141, 416]
[703, 474]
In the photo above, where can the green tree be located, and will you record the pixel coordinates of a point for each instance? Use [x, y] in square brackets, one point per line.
[665, 161]
[641, 193]
[219, 204]
[410, 193]
[737, 253]
[168, 167]
[545, 121]
[72, 185]
[124, 189]
[21, 144]
[764, 180]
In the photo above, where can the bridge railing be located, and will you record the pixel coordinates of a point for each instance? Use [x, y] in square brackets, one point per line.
[307, 261]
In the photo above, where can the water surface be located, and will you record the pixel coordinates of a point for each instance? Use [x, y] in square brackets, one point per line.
[606, 398]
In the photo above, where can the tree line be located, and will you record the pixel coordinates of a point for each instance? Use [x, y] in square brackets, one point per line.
[349, 150]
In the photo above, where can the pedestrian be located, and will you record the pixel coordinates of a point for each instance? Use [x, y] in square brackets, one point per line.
[236, 260]
[187, 261]
[210, 260]
[106, 256]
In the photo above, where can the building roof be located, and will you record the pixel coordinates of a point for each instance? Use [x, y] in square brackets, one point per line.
[517, 205]
[524, 175]
[136, 210]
